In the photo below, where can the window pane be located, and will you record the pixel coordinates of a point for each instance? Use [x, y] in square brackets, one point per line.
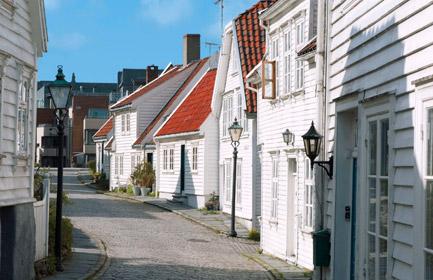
[383, 254]
[371, 257]
[430, 142]
[429, 266]
[384, 207]
[384, 124]
[429, 215]
[372, 205]
[372, 147]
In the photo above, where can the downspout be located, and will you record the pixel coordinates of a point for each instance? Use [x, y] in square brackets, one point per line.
[321, 94]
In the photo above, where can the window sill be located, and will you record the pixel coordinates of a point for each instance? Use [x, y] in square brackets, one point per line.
[21, 157]
[306, 230]
[273, 221]
[298, 91]
[168, 172]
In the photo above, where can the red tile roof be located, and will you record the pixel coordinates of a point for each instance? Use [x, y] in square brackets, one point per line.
[105, 128]
[170, 102]
[252, 45]
[191, 114]
[308, 48]
[155, 83]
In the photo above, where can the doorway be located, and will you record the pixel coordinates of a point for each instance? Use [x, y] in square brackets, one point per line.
[149, 158]
[346, 178]
[182, 169]
[291, 211]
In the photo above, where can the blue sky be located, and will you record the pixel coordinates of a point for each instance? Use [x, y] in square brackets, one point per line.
[96, 38]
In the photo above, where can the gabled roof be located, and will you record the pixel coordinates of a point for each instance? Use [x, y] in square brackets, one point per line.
[194, 110]
[252, 45]
[105, 128]
[109, 144]
[155, 83]
[170, 102]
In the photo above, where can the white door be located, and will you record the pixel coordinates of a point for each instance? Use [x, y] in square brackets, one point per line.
[291, 211]
[376, 184]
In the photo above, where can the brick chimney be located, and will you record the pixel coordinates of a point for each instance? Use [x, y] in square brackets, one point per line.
[151, 73]
[191, 48]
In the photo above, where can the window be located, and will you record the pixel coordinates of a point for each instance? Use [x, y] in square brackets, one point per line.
[299, 74]
[171, 163]
[308, 195]
[377, 204]
[228, 180]
[128, 122]
[240, 113]
[194, 158]
[165, 160]
[300, 36]
[428, 178]
[239, 182]
[275, 56]
[274, 198]
[227, 113]
[97, 113]
[287, 63]
[133, 163]
[116, 165]
[123, 119]
[88, 136]
[22, 118]
[120, 164]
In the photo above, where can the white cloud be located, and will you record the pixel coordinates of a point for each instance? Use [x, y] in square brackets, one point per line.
[52, 4]
[166, 12]
[69, 41]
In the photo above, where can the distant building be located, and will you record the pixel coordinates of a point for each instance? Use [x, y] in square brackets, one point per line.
[129, 80]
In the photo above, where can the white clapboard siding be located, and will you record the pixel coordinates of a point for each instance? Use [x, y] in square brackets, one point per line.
[19, 50]
[229, 80]
[294, 111]
[199, 184]
[378, 47]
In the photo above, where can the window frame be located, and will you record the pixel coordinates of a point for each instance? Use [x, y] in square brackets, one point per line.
[22, 122]
[227, 112]
[228, 174]
[194, 158]
[287, 58]
[308, 199]
[239, 182]
[274, 187]
[171, 159]
[299, 74]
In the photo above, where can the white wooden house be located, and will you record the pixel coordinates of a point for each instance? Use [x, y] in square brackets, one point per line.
[242, 49]
[145, 141]
[23, 39]
[102, 139]
[288, 183]
[133, 114]
[380, 95]
[187, 165]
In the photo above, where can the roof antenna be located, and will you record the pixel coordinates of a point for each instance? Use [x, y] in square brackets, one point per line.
[221, 2]
[211, 45]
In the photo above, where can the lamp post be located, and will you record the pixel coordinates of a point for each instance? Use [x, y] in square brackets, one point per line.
[312, 141]
[60, 94]
[235, 131]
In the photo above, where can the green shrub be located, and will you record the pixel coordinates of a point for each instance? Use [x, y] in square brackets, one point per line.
[152, 194]
[91, 164]
[253, 234]
[130, 190]
[143, 175]
[212, 203]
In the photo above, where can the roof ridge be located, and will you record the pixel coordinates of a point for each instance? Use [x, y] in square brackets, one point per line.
[200, 65]
[110, 119]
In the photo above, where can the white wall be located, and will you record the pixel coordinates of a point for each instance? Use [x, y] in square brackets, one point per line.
[18, 57]
[286, 236]
[378, 48]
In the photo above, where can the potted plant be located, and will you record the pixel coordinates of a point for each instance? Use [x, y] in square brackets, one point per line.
[135, 180]
[144, 177]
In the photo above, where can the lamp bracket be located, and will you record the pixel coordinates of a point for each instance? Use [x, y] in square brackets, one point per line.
[328, 165]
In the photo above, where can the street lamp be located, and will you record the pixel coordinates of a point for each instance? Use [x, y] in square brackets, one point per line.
[59, 92]
[288, 137]
[235, 131]
[312, 141]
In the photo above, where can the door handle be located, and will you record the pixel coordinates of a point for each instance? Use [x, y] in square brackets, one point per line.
[347, 213]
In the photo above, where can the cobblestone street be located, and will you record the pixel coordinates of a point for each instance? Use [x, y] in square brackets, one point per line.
[145, 242]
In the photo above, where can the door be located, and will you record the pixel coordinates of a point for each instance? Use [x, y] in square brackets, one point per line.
[376, 186]
[182, 168]
[291, 190]
[350, 214]
[149, 158]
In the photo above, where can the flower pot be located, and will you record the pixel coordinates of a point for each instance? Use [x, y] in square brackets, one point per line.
[145, 191]
[136, 191]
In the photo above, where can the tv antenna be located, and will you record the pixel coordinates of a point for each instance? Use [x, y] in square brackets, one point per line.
[211, 45]
[221, 3]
